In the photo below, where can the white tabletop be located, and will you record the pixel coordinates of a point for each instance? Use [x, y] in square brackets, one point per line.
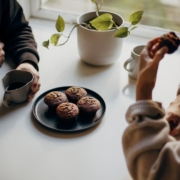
[29, 151]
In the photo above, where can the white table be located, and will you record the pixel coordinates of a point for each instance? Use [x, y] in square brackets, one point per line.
[28, 151]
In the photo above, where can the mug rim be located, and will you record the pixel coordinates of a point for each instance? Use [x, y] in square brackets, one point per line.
[139, 46]
[20, 87]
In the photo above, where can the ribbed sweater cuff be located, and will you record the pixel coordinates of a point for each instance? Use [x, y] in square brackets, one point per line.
[28, 57]
[144, 108]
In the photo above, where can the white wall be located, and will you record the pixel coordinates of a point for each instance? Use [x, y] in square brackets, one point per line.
[26, 7]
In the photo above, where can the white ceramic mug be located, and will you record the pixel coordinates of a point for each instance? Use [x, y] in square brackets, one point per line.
[132, 64]
[17, 85]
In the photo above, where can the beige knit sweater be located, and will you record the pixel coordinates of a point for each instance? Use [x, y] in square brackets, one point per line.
[150, 152]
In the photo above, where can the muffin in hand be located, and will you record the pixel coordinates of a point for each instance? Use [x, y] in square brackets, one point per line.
[171, 40]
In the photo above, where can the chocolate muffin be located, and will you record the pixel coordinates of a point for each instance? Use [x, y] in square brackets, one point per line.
[75, 93]
[89, 105]
[171, 40]
[67, 111]
[54, 98]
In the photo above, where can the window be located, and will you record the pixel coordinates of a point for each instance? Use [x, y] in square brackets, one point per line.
[157, 13]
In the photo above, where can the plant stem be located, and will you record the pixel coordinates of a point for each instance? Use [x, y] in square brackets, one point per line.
[86, 25]
[69, 35]
[64, 36]
[115, 24]
[97, 9]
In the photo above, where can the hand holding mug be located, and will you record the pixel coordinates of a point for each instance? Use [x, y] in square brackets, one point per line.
[36, 80]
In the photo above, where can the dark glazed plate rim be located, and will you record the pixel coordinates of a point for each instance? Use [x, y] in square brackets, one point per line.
[40, 109]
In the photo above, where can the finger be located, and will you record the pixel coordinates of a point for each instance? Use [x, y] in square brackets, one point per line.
[34, 89]
[1, 60]
[36, 83]
[1, 45]
[160, 54]
[32, 94]
[151, 43]
[148, 50]
[155, 48]
[2, 53]
[35, 86]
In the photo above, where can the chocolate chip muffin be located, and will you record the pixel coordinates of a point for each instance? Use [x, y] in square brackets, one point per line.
[67, 111]
[54, 98]
[171, 40]
[89, 105]
[75, 93]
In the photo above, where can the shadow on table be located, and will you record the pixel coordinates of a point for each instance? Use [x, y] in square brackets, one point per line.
[85, 69]
[5, 110]
[130, 89]
[53, 133]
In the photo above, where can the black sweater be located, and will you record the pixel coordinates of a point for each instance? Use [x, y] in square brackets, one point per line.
[16, 34]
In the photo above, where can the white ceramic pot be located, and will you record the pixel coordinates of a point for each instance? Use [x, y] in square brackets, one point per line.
[98, 47]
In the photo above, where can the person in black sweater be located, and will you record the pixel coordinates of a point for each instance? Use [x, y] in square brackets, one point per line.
[16, 37]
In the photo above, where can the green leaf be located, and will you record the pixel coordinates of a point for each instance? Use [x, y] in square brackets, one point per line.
[102, 22]
[55, 38]
[60, 24]
[93, 1]
[46, 44]
[122, 32]
[135, 17]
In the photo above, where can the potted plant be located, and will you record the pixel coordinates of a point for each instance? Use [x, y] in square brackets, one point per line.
[99, 35]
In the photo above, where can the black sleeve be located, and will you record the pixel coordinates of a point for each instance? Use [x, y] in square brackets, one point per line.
[16, 34]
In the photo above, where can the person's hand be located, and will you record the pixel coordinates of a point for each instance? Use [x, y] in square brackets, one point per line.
[36, 81]
[148, 67]
[2, 54]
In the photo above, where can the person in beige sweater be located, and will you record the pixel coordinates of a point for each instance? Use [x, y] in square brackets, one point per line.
[150, 142]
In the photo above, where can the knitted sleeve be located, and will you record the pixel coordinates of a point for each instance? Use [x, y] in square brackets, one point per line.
[150, 152]
[16, 34]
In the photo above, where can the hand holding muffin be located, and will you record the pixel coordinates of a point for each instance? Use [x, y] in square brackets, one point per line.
[170, 40]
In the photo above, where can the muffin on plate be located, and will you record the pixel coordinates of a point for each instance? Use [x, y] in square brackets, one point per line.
[75, 93]
[67, 111]
[54, 98]
[171, 40]
[88, 105]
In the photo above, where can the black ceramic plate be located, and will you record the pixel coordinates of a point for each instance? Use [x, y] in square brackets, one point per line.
[51, 120]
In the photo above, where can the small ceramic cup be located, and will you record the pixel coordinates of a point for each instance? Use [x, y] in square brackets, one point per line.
[132, 64]
[17, 85]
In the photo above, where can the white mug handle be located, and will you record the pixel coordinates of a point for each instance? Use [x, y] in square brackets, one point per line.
[126, 63]
[6, 100]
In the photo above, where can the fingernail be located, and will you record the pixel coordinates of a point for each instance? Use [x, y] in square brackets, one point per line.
[29, 99]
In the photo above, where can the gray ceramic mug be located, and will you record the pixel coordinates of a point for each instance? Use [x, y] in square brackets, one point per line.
[132, 64]
[17, 85]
